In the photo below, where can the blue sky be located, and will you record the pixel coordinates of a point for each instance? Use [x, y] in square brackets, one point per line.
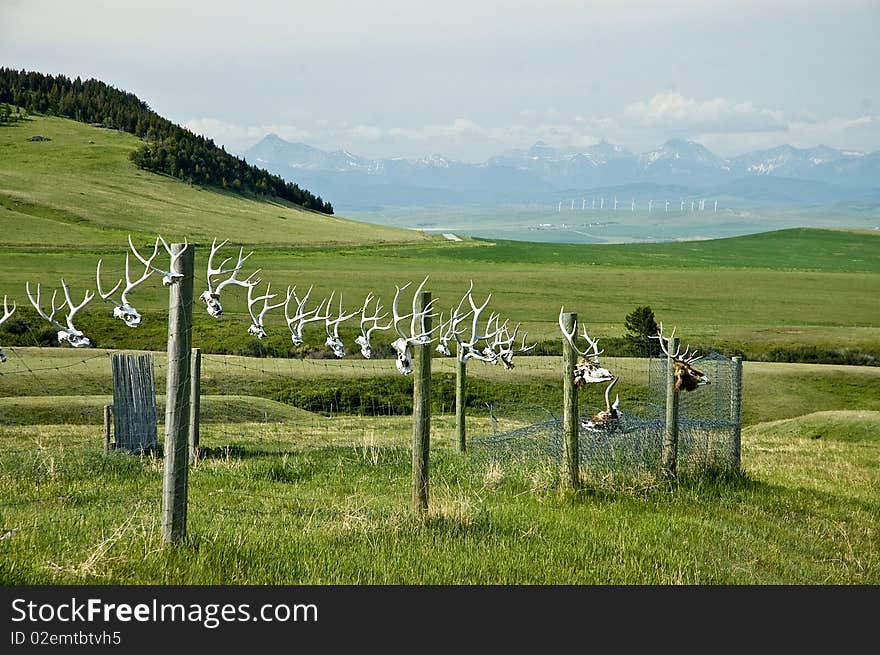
[471, 79]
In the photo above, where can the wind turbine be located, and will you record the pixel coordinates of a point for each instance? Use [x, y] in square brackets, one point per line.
[572, 204]
[650, 206]
[593, 206]
[559, 208]
[602, 202]
[682, 204]
[716, 206]
[667, 206]
[615, 203]
[584, 204]
[702, 204]
[633, 206]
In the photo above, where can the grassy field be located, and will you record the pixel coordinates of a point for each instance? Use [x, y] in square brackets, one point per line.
[804, 512]
[293, 486]
[794, 288]
[81, 190]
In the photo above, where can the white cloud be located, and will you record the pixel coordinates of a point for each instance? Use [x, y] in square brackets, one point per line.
[675, 113]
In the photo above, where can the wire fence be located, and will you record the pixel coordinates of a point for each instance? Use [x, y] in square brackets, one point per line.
[278, 405]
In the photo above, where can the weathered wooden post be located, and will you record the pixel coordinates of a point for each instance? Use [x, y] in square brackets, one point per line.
[736, 410]
[421, 439]
[177, 403]
[107, 410]
[571, 477]
[195, 404]
[460, 399]
[669, 452]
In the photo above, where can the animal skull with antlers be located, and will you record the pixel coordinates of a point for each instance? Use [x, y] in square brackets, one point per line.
[211, 296]
[124, 310]
[587, 370]
[301, 318]
[168, 277]
[333, 342]
[68, 333]
[687, 378]
[363, 339]
[256, 328]
[417, 336]
[6, 314]
[609, 418]
[505, 347]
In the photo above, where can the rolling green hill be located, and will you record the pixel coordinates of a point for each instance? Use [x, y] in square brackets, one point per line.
[68, 201]
[81, 190]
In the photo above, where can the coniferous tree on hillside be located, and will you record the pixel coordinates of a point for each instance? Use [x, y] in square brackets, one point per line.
[168, 149]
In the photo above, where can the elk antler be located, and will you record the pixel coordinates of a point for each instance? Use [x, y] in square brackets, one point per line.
[124, 310]
[168, 277]
[686, 377]
[256, 327]
[592, 352]
[211, 296]
[6, 311]
[506, 351]
[6, 314]
[333, 341]
[587, 369]
[363, 339]
[69, 332]
[417, 336]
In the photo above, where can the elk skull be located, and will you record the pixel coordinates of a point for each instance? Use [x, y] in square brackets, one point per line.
[687, 378]
[587, 370]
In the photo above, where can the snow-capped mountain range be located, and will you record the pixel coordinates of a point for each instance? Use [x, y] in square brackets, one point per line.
[778, 175]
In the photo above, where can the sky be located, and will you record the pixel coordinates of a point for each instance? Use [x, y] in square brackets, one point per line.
[468, 79]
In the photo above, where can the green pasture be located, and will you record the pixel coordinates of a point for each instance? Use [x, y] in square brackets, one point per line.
[749, 309]
[34, 379]
[304, 472]
[81, 190]
[273, 510]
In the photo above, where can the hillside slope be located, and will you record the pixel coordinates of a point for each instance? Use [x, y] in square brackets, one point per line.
[82, 189]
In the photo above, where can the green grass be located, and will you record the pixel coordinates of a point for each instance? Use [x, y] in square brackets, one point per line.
[805, 512]
[285, 495]
[68, 202]
[771, 391]
[81, 190]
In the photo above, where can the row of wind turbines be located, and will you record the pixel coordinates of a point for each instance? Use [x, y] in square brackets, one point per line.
[695, 205]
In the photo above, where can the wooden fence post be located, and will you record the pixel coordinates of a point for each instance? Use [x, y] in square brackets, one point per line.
[195, 404]
[736, 409]
[177, 403]
[460, 399]
[570, 430]
[421, 436]
[669, 452]
[107, 410]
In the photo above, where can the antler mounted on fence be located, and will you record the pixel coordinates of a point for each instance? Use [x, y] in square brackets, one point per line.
[333, 341]
[6, 314]
[167, 276]
[70, 334]
[301, 318]
[211, 296]
[467, 348]
[587, 370]
[417, 336]
[256, 328]
[505, 347]
[450, 329]
[363, 339]
[124, 310]
[687, 378]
